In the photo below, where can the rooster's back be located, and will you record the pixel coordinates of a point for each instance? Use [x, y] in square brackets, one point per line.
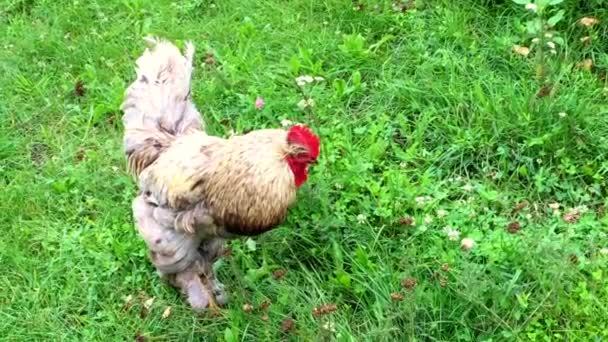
[157, 106]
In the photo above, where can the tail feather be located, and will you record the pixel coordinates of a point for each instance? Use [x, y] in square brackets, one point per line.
[158, 106]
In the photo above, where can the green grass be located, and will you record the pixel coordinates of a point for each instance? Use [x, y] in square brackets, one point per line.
[430, 102]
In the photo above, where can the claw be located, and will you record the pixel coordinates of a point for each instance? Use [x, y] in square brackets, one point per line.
[214, 307]
[220, 295]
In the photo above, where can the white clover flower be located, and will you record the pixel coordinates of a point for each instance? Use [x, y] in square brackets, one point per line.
[361, 218]
[441, 213]
[531, 7]
[467, 244]
[467, 188]
[330, 326]
[562, 114]
[551, 45]
[428, 219]
[286, 123]
[306, 103]
[422, 200]
[319, 79]
[304, 80]
[452, 233]
[535, 40]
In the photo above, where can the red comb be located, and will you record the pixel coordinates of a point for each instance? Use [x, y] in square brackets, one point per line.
[300, 134]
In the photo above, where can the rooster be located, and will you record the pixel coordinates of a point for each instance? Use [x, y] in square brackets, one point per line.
[196, 190]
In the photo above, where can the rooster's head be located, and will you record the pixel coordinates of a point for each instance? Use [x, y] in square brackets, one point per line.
[303, 151]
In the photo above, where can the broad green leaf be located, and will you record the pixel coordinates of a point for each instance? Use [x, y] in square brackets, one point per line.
[556, 18]
[251, 245]
[294, 65]
[356, 78]
[558, 40]
[534, 26]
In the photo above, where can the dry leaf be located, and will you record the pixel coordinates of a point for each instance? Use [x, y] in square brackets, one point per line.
[397, 297]
[287, 325]
[445, 267]
[264, 317]
[544, 91]
[402, 6]
[324, 309]
[278, 274]
[145, 309]
[409, 283]
[573, 258]
[521, 205]
[139, 337]
[601, 210]
[585, 64]
[148, 303]
[586, 40]
[443, 282]
[80, 155]
[554, 205]
[38, 153]
[572, 216]
[588, 21]
[79, 89]
[521, 50]
[111, 118]
[513, 227]
[265, 304]
[167, 312]
[247, 307]
[128, 302]
[227, 252]
[209, 58]
[407, 221]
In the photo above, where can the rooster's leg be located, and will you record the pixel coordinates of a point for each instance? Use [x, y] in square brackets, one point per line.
[211, 250]
[213, 305]
[219, 292]
[195, 290]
